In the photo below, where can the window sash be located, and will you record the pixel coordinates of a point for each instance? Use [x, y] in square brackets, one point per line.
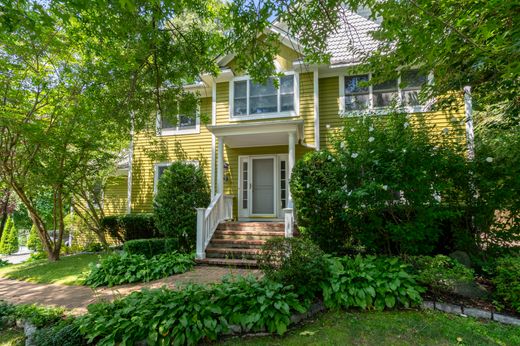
[262, 103]
[404, 96]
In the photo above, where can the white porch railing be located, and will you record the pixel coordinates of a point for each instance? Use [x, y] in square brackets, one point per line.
[220, 209]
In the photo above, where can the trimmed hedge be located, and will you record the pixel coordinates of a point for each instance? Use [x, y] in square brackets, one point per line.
[131, 226]
[151, 247]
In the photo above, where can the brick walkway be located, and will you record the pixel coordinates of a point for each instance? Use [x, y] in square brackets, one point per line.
[77, 298]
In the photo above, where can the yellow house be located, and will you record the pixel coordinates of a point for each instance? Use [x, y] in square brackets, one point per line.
[254, 133]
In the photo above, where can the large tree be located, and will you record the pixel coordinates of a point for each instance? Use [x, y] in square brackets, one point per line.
[76, 77]
[472, 43]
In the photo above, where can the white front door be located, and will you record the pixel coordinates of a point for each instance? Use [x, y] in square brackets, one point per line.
[263, 186]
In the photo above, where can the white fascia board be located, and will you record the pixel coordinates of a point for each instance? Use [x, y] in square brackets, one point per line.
[257, 128]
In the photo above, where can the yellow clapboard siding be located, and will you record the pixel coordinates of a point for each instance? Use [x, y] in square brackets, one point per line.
[150, 149]
[115, 195]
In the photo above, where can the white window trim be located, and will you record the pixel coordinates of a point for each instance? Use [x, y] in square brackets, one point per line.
[379, 110]
[177, 130]
[280, 114]
[166, 164]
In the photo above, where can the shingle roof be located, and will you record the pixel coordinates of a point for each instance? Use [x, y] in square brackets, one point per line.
[352, 39]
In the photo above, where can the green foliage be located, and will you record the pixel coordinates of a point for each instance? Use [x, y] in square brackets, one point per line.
[3, 263]
[391, 186]
[37, 315]
[318, 198]
[187, 316]
[294, 261]
[440, 273]
[7, 314]
[5, 235]
[94, 247]
[63, 333]
[124, 268]
[507, 281]
[182, 188]
[130, 226]
[37, 256]
[369, 283]
[9, 240]
[151, 247]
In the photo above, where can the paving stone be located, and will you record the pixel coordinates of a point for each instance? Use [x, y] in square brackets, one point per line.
[77, 298]
[478, 313]
[506, 319]
[428, 304]
[450, 308]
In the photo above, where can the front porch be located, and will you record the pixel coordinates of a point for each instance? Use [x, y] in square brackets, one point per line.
[259, 191]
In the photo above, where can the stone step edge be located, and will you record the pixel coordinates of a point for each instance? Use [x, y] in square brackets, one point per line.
[466, 311]
[227, 262]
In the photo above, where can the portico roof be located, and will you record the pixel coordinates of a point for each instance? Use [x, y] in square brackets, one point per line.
[255, 134]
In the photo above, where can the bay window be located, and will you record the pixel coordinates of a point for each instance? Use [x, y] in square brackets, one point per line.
[252, 99]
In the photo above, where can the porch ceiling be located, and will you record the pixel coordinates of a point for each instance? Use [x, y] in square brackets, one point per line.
[255, 134]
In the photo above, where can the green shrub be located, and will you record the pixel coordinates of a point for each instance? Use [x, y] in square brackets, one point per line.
[5, 235]
[124, 268]
[9, 239]
[3, 263]
[369, 282]
[316, 187]
[181, 188]
[440, 273]
[151, 247]
[185, 317]
[390, 186]
[130, 226]
[7, 314]
[294, 261]
[37, 256]
[39, 316]
[64, 333]
[33, 241]
[507, 281]
[94, 247]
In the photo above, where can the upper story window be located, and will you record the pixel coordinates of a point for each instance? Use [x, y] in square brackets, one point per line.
[180, 124]
[358, 95]
[251, 100]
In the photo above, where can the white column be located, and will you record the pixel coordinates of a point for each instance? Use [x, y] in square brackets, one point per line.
[292, 153]
[201, 241]
[213, 122]
[220, 166]
[470, 136]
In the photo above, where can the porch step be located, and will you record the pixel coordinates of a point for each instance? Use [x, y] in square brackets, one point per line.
[237, 263]
[251, 235]
[238, 243]
[233, 253]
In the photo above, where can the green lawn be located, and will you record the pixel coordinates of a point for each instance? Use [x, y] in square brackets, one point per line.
[391, 328]
[66, 271]
[12, 337]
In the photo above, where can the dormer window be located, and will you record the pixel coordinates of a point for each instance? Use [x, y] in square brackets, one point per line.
[253, 100]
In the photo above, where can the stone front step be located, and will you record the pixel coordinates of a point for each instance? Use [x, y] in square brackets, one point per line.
[232, 253]
[251, 226]
[251, 235]
[238, 243]
[233, 242]
[237, 263]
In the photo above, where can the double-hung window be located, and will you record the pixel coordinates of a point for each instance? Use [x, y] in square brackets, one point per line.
[179, 124]
[358, 95]
[253, 99]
